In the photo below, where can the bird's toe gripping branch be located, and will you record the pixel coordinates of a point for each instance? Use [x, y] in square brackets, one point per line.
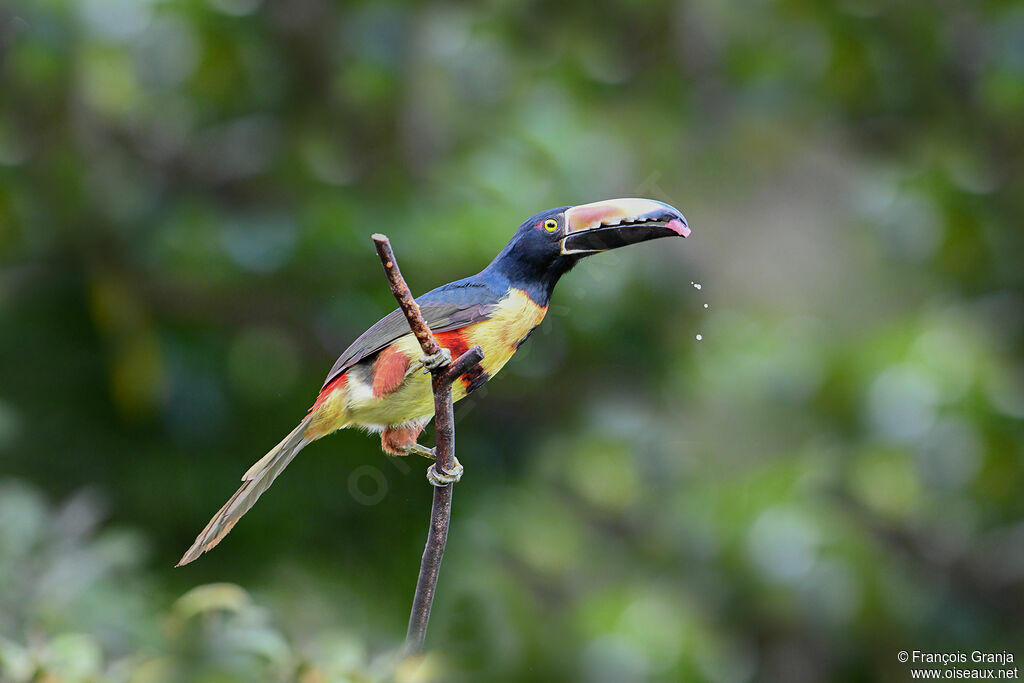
[434, 476]
[442, 479]
[441, 359]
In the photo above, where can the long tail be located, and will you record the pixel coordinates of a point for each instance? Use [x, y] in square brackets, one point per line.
[256, 480]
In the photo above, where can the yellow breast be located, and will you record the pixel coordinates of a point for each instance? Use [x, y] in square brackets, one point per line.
[512, 319]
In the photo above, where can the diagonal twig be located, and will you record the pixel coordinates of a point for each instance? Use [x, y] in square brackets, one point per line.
[444, 451]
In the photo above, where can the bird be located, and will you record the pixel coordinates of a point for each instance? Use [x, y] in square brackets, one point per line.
[379, 382]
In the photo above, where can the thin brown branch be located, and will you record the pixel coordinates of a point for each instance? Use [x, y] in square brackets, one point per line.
[444, 451]
[404, 297]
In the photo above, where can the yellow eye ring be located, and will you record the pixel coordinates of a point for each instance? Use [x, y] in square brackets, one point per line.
[551, 225]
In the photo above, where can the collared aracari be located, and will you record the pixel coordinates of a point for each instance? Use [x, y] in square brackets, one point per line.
[377, 383]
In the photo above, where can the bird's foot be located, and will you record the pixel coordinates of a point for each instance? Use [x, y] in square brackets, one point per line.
[418, 449]
[440, 359]
[442, 479]
[434, 475]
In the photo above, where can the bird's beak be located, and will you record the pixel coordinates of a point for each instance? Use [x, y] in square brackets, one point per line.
[614, 223]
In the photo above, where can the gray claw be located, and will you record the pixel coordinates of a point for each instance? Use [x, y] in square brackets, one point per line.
[443, 479]
[439, 360]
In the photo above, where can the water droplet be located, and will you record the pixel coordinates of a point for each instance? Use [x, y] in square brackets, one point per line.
[699, 337]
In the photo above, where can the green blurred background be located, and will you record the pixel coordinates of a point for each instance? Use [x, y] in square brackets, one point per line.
[831, 474]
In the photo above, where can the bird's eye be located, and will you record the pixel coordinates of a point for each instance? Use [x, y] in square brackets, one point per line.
[551, 225]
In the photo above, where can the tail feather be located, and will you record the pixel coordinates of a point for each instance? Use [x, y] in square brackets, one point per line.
[256, 480]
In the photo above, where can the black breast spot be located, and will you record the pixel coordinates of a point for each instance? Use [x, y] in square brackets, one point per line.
[474, 379]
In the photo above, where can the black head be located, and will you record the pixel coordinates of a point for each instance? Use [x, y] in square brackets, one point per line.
[551, 242]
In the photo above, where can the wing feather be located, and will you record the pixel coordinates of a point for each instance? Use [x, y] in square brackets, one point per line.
[446, 308]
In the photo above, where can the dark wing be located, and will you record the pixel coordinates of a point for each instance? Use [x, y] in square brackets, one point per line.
[446, 308]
